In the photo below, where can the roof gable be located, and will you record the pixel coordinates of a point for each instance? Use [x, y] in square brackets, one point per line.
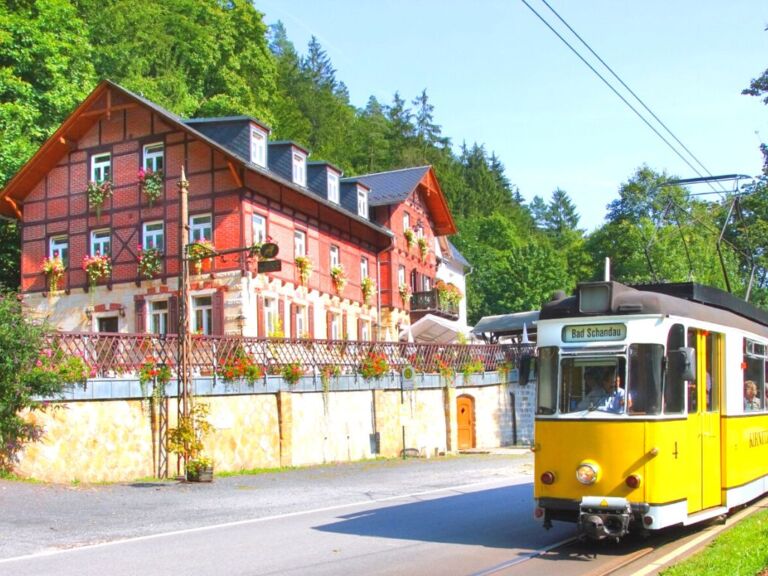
[396, 186]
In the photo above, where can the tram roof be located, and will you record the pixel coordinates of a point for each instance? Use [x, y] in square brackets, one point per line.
[686, 299]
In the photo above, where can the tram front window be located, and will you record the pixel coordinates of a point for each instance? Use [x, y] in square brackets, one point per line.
[597, 384]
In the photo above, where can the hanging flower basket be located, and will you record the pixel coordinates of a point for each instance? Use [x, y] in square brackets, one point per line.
[54, 269]
[151, 184]
[97, 268]
[405, 293]
[240, 365]
[374, 365]
[448, 294]
[410, 238]
[98, 193]
[339, 277]
[199, 251]
[292, 372]
[423, 248]
[150, 262]
[367, 286]
[304, 268]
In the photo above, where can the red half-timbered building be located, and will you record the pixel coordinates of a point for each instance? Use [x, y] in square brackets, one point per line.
[243, 190]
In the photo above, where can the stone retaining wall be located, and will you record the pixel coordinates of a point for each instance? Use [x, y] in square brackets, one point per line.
[104, 438]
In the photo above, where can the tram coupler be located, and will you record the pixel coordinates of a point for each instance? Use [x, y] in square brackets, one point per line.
[603, 517]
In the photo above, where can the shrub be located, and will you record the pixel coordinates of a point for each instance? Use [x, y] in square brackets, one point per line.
[26, 375]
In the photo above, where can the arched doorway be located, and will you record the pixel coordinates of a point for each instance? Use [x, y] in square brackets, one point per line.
[465, 415]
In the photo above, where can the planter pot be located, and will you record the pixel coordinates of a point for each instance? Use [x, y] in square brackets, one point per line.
[200, 475]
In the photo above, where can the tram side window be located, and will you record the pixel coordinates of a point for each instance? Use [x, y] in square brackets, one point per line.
[754, 376]
[674, 385]
[547, 381]
[645, 378]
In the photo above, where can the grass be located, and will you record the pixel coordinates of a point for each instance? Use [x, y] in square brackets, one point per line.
[740, 551]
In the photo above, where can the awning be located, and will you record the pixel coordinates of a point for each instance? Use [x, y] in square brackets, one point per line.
[507, 324]
[433, 329]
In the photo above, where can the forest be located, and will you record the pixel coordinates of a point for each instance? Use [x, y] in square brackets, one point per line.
[187, 56]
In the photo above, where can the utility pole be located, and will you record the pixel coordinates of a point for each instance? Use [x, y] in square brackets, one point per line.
[184, 396]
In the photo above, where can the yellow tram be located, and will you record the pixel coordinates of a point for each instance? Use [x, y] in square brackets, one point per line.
[642, 417]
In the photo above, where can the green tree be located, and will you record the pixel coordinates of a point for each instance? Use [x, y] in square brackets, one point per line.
[27, 372]
[45, 71]
[194, 57]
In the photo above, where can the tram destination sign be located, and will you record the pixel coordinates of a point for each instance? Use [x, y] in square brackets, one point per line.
[594, 332]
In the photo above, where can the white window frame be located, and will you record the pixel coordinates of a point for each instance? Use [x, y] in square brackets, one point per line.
[60, 245]
[101, 167]
[365, 330]
[336, 329]
[302, 326]
[333, 187]
[201, 227]
[258, 147]
[101, 242]
[158, 316]
[202, 314]
[406, 221]
[299, 243]
[299, 168]
[363, 268]
[426, 283]
[400, 275]
[362, 202]
[153, 235]
[271, 315]
[335, 255]
[258, 227]
[154, 157]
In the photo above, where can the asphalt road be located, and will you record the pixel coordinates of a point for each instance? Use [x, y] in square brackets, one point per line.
[456, 515]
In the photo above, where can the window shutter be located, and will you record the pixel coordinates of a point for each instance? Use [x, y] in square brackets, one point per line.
[311, 320]
[173, 315]
[328, 320]
[141, 314]
[359, 328]
[218, 313]
[293, 321]
[260, 316]
[344, 333]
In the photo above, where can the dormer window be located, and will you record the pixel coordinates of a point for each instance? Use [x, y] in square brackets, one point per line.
[299, 168]
[333, 187]
[101, 167]
[258, 147]
[362, 203]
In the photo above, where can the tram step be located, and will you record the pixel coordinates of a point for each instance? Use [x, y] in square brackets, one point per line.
[705, 515]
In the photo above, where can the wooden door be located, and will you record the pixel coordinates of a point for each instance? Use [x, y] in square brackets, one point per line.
[465, 411]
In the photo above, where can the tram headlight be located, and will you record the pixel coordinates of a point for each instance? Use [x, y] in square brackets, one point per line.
[588, 472]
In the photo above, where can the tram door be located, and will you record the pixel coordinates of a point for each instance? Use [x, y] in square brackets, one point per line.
[703, 437]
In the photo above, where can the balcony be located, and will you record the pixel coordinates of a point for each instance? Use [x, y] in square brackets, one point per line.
[423, 303]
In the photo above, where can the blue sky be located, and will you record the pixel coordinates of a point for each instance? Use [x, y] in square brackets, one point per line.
[497, 76]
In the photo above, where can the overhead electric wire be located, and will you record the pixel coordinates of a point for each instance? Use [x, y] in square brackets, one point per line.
[640, 100]
[614, 90]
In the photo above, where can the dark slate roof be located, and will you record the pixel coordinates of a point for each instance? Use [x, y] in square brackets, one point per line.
[390, 187]
[457, 256]
[222, 119]
[246, 161]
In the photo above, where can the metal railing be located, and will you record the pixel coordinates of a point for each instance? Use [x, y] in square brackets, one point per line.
[122, 354]
[430, 301]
